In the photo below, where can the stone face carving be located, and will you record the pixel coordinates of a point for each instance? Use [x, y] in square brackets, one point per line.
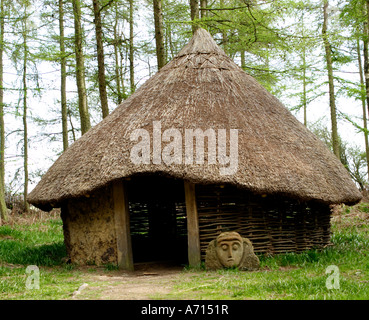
[228, 250]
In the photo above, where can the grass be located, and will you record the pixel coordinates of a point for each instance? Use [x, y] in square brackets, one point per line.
[35, 244]
[297, 276]
[40, 244]
[286, 276]
[290, 276]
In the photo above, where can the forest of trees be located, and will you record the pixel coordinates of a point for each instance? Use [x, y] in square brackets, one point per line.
[66, 64]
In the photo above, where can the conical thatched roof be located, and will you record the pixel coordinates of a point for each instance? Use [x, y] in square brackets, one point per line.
[203, 88]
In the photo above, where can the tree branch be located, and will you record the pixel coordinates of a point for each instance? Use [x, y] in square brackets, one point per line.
[106, 5]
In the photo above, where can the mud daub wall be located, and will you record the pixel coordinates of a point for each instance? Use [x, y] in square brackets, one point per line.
[89, 231]
[274, 224]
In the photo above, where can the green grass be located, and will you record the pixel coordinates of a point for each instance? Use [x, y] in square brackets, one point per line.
[36, 244]
[39, 244]
[58, 283]
[285, 276]
[291, 276]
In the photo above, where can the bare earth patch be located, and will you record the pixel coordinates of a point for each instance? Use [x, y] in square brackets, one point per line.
[147, 282]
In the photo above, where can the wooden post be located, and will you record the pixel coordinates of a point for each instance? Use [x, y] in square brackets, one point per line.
[194, 252]
[122, 227]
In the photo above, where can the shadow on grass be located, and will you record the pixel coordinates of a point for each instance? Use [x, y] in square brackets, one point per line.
[41, 255]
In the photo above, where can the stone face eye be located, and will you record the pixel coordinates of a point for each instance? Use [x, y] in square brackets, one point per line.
[235, 246]
[224, 247]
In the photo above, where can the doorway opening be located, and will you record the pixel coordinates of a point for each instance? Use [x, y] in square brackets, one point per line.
[158, 222]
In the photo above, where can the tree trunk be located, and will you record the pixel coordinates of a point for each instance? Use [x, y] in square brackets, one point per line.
[170, 42]
[224, 31]
[120, 91]
[362, 86]
[332, 102]
[80, 69]
[3, 211]
[366, 55]
[243, 60]
[71, 125]
[25, 130]
[131, 49]
[159, 33]
[63, 77]
[100, 59]
[304, 94]
[123, 67]
[194, 6]
[203, 11]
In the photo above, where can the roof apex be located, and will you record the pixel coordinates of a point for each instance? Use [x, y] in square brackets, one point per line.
[201, 42]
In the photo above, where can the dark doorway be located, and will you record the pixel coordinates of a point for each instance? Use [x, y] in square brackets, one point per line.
[158, 219]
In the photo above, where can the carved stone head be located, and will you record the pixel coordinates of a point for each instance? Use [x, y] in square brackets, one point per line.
[228, 250]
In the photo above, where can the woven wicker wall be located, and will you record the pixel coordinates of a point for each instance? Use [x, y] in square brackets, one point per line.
[273, 224]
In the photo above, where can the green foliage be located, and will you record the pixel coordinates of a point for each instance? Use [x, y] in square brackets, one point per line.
[353, 14]
[351, 156]
[250, 33]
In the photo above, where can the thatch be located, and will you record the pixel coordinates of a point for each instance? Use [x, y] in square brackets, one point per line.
[203, 88]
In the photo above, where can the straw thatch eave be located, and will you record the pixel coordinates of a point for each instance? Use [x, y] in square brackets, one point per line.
[203, 88]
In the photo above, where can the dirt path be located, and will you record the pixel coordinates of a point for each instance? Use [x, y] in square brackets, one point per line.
[147, 282]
